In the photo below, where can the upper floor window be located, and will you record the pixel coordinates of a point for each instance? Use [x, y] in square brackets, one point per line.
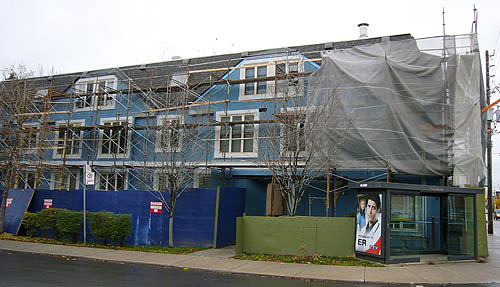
[293, 132]
[289, 83]
[114, 138]
[69, 139]
[256, 88]
[169, 135]
[237, 136]
[95, 93]
[30, 137]
[286, 68]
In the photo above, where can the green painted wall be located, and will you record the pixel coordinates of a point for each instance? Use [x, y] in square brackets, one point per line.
[482, 237]
[331, 236]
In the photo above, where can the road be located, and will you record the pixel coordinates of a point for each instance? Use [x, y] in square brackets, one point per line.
[24, 269]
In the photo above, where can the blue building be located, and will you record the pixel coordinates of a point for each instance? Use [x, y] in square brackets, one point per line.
[211, 116]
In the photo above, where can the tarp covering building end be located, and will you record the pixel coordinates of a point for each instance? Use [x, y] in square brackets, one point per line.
[409, 112]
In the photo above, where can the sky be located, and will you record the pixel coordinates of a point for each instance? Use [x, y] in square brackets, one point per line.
[72, 36]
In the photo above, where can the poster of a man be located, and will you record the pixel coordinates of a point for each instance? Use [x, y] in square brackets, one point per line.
[368, 237]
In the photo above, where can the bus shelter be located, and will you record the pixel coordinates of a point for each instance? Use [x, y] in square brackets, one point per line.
[398, 223]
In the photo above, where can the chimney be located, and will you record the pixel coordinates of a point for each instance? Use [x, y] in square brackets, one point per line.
[363, 30]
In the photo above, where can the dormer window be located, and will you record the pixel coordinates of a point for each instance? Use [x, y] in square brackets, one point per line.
[95, 93]
[286, 68]
[256, 88]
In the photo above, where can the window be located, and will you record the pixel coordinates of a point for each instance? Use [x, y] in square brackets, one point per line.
[69, 140]
[288, 69]
[103, 98]
[161, 180]
[95, 93]
[406, 212]
[67, 180]
[30, 137]
[239, 137]
[255, 88]
[85, 100]
[114, 138]
[169, 135]
[293, 132]
[255, 68]
[202, 179]
[25, 179]
[112, 181]
[238, 140]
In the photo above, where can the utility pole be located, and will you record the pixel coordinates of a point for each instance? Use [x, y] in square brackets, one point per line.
[488, 147]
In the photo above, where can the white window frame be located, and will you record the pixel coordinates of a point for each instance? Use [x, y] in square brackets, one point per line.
[94, 99]
[293, 111]
[31, 149]
[54, 180]
[271, 69]
[25, 175]
[78, 123]
[101, 155]
[159, 120]
[105, 172]
[254, 153]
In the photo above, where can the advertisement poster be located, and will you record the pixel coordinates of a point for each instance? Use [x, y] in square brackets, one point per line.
[369, 223]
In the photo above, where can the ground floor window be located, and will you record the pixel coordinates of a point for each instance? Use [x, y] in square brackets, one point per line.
[112, 181]
[25, 179]
[67, 179]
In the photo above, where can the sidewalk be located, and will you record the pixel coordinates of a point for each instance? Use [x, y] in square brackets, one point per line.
[219, 260]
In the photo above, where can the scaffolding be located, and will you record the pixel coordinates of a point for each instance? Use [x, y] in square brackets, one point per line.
[123, 151]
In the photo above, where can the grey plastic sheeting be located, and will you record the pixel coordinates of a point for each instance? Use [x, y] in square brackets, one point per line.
[404, 110]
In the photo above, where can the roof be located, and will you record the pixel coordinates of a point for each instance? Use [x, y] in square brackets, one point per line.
[154, 76]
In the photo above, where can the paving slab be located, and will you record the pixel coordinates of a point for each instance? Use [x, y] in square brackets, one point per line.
[211, 263]
[337, 273]
[392, 274]
[225, 252]
[463, 273]
[161, 259]
[271, 268]
[18, 246]
[69, 251]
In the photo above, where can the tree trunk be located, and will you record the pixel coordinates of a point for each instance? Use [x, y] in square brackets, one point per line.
[171, 230]
[4, 200]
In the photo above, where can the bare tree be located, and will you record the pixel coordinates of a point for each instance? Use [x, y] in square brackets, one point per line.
[304, 140]
[15, 138]
[180, 147]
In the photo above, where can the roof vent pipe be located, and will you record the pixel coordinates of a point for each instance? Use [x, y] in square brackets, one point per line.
[363, 30]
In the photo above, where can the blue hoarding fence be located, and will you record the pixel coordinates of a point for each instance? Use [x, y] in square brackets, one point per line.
[195, 214]
[17, 203]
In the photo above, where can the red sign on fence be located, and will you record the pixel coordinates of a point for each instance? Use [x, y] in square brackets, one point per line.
[155, 207]
[47, 203]
[9, 202]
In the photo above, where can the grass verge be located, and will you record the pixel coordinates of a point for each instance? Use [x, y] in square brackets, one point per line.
[156, 249]
[315, 259]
